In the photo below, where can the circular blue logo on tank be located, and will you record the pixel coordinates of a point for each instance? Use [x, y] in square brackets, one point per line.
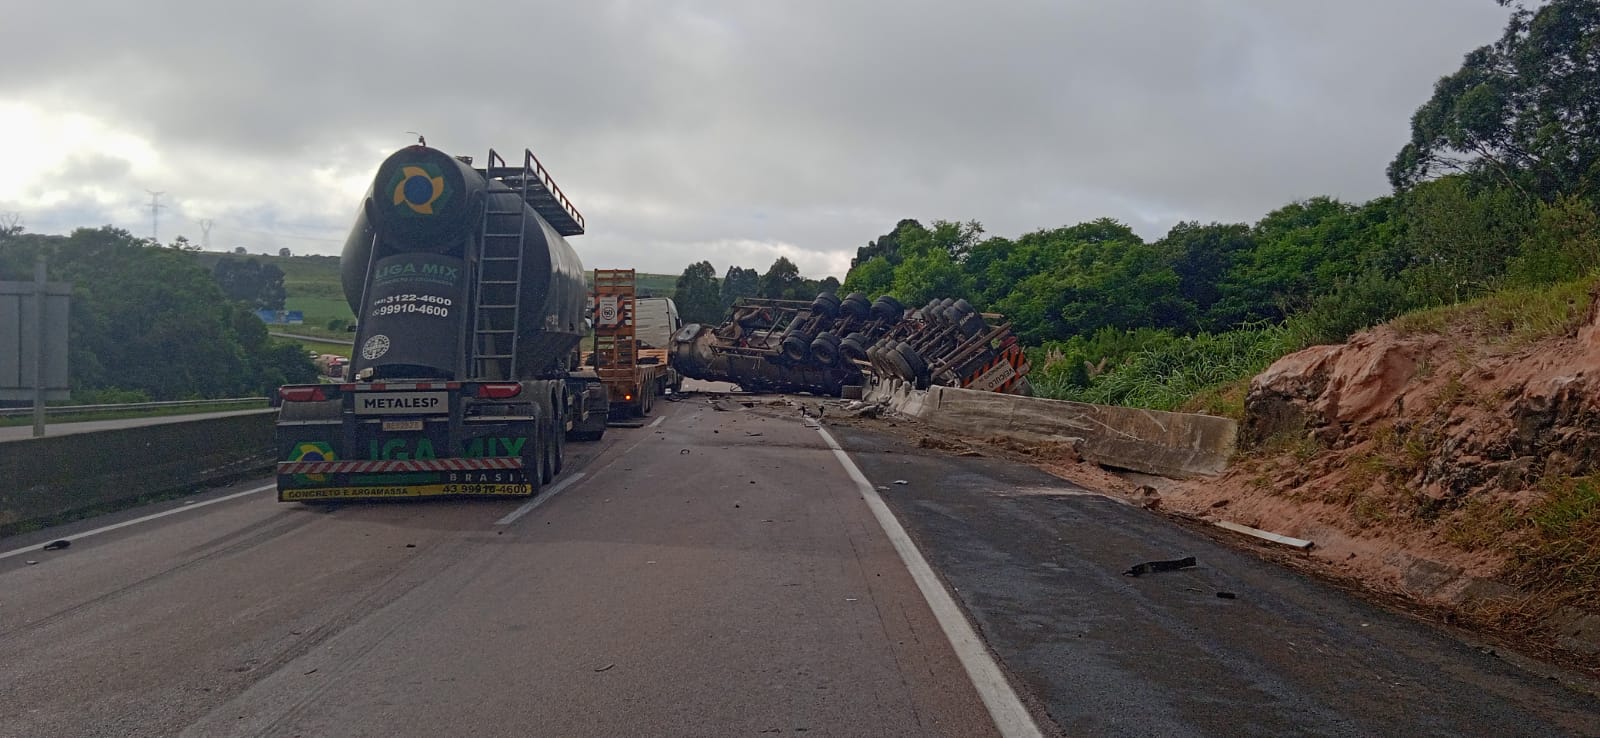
[418, 189]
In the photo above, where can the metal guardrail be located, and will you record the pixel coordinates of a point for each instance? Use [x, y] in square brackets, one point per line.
[75, 409]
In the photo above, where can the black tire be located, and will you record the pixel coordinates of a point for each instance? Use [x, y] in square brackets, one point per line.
[533, 461]
[560, 424]
[547, 448]
[875, 358]
[797, 346]
[897, 365]
[854, 347]
[919, 365]
[825, 349]
[972, 325]
[857, 306]
[826, 305]
[888, 310]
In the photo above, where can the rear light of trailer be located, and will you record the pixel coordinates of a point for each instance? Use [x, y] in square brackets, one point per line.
[499, 390]
[308, 393]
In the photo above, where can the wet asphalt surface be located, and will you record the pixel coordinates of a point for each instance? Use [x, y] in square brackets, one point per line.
[1039, 567]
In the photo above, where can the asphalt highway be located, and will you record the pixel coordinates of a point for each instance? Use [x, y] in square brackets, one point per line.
[718, 572]
[714, 574]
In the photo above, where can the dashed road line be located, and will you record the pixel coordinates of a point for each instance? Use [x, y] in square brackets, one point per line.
[527, 507]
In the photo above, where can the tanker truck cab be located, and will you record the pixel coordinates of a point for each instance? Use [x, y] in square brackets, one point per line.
[470, 308]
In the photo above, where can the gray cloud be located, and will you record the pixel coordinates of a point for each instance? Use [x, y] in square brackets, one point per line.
[736, 130]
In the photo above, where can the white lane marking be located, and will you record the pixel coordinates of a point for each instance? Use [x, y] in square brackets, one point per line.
[656, 422]
[1005, 708]
[527, 507]
[186, 508]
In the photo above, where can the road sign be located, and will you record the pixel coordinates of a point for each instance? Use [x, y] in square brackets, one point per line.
[23, 335]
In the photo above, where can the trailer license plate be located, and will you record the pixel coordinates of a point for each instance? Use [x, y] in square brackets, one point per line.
[402, 425]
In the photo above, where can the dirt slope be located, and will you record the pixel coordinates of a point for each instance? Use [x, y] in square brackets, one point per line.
[1445, 457]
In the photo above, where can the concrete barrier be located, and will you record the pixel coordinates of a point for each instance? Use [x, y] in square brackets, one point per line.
[55, 476]
[1178, 445]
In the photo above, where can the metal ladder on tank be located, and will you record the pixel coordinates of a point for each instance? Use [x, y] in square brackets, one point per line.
[499, 281]
[499, 271]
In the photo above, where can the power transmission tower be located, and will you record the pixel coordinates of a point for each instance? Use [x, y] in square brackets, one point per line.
[205, 233]
[155, 215]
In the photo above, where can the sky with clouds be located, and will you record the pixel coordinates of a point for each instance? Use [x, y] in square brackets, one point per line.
[733, 131]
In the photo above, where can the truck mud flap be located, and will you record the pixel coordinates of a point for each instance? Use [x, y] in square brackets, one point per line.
[310, 481]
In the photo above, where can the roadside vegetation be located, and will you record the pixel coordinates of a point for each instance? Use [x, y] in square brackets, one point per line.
[149, 322]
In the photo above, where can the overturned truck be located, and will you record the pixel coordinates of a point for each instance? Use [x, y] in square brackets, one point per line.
[830, 344]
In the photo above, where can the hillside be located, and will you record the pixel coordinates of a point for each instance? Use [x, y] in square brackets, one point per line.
[1448, 457]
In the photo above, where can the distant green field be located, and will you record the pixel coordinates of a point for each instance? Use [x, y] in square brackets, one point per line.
[313, 287]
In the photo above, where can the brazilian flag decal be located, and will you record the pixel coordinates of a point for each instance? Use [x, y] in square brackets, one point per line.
[419, 189]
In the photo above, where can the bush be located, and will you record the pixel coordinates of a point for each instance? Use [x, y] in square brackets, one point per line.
[1168, 375]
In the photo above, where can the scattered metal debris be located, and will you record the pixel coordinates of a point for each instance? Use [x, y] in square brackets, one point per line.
[1151, 567]
[57, 545]
[1299, 543]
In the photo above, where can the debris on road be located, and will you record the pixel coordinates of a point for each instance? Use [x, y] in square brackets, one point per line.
[1299, 543]
[1228, 595]
[57, 545]
[607, 667]
[1151, 567]
[901, 481]
[31, 562]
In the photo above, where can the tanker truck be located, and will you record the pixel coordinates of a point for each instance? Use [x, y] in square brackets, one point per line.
[465, 377]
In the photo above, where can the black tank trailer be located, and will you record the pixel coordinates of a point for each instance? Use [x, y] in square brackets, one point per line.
[830, 344]
[470, 309]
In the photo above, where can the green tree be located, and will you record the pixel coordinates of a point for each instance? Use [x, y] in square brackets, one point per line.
[1564, 244]
[1460, 236]
[248, 281]
[927, 275]
[1201, 255]
[697, 294]
[1301, 250]
[739, 282]
[1521, 111]
[149, 319]
[875, 276]
[782, 281]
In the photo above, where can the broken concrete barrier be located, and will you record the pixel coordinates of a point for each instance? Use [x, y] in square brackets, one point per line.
[1178, 445]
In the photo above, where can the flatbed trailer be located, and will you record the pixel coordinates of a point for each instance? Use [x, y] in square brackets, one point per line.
[634, 376]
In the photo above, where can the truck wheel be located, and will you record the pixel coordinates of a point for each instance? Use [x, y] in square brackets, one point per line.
[856, 305]
[888, 309]
[826, 348]
[797, 346]
[533, 461]
[560, 441]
